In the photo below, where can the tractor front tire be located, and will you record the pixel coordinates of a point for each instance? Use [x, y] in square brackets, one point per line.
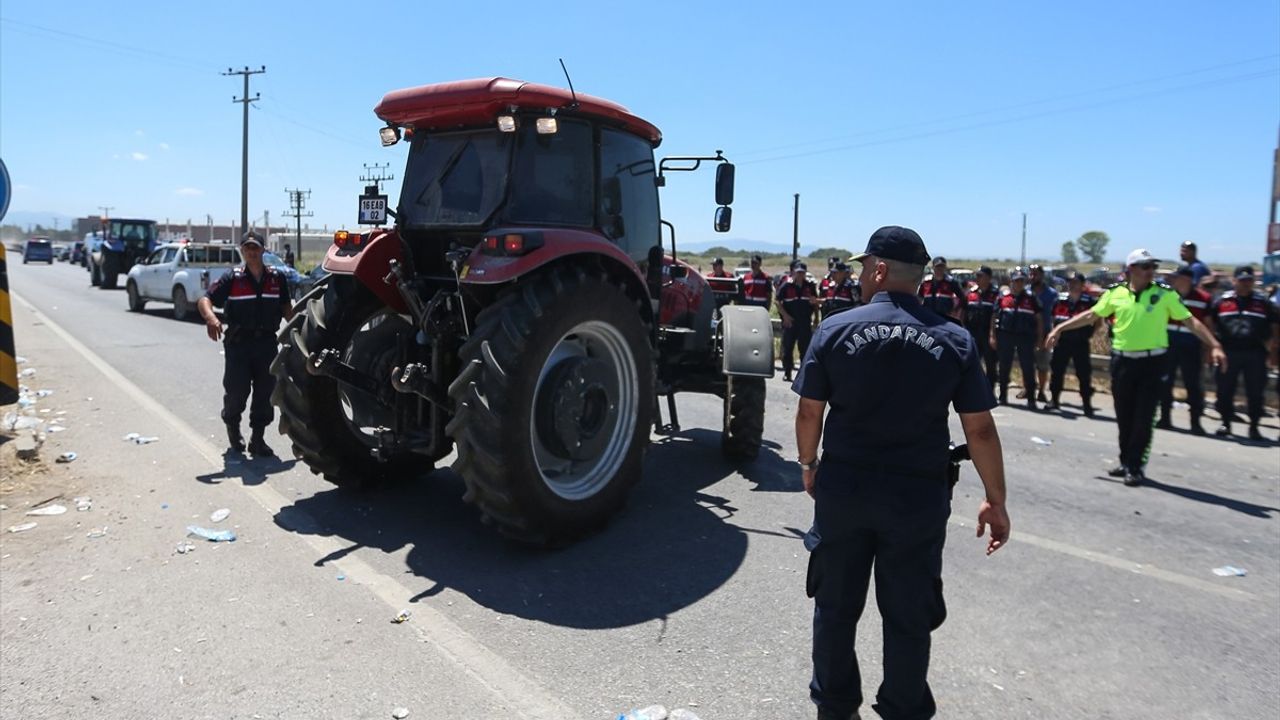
[553, 406]
[110, 272]
[744, 418]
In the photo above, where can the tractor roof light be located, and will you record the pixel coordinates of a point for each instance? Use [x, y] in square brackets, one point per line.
[390, 135]
[340, 238]
[547, 126]
[506, 123]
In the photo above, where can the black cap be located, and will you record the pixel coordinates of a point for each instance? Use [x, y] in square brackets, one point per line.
[757, 259]
[939, 261]
[718, 261]
[985, 270]
[1244, 272]
[1183, 270]
[1074, 275]
[797, 265]
[1188, 244]
[251, 237]
[1017, 274]
[840, 266]
[892, 242]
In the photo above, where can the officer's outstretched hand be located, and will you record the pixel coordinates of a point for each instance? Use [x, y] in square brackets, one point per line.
[998, 518]
[214, 327]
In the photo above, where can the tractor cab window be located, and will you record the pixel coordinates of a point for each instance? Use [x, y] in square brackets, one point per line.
[553, 176]
[454, 178]
[628, 197]
[133, 233]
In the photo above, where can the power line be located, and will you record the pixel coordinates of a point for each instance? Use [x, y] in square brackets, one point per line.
[297, 202]
[1008, 121]
[375, 175]
[101, 44]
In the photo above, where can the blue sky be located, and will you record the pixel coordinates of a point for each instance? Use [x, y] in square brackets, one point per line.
[1153, 121]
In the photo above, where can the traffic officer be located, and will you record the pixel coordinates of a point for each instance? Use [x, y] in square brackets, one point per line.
[797, 300]
[1186, 354]
[757, 288]
[1142, 310]
[980, 303]
[1247, 324]
[838, 292]
[1017, 326]
[890, 371]
[941, 293]
[1073, 346]
[254, 298]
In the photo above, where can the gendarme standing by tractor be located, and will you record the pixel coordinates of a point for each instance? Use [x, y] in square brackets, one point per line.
[522, 309]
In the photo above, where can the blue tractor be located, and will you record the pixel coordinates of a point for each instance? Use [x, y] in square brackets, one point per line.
[125, 242]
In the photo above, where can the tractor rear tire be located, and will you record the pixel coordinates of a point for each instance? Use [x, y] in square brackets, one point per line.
[553, 406]
[136, 303]
[744, 418]
[110, 272]
[95, 275]
[312, 411]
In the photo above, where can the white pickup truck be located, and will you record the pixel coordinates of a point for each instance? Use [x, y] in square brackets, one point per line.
[179, 273]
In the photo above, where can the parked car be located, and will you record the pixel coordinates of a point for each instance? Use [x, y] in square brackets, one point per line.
[38, 249]
[309, 280]
[291, 275]
[179, 273]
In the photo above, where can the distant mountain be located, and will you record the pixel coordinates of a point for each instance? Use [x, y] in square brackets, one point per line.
[23, 218]
[742, 244]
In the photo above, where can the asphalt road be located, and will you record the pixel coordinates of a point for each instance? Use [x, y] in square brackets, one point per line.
[1104, 604]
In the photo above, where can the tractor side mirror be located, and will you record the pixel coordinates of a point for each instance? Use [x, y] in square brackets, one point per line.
[724, 218]
[724, 184]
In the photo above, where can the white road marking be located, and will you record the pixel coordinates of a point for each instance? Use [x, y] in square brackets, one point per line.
[517, 691]
[1121, 564]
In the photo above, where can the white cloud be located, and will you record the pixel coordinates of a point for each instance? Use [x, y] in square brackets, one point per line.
[164, 146]
[138, 156]
[189, 191]
[1151, 209]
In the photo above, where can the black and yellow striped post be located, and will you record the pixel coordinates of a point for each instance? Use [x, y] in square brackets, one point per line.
[8, 363]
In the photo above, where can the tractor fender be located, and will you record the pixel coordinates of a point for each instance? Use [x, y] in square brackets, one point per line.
[371, 265]
[747, 333]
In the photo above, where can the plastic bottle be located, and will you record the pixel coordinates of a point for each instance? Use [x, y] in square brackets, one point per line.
[653, 712]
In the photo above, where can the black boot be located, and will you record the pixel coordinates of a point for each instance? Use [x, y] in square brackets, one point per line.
[1196, 427]
[1254, 433]
[1004, 395]
[235, 441]
[1088, 406]
[1164, 423]
[1224, 431]
[258, 447]
[1056, 403]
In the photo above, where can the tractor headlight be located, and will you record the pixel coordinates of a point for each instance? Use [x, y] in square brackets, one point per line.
[547, 126]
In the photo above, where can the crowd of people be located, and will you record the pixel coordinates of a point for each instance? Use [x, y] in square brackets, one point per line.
[1014, 322]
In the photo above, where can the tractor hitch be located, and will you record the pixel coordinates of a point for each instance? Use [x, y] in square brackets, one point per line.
[415, 378]
[328, 363]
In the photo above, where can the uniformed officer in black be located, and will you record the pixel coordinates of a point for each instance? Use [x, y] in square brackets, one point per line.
[1017, 328]
[797, 300]
[1247, 325]
[838, 292]
[889, 370]
[254, 298]
[980, 306]
[1073, 347]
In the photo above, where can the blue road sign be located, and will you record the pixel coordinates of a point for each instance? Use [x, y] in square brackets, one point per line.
[6, 189]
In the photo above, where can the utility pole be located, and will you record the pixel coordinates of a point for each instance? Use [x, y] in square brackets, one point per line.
[374, 174]
[1024, 240]
[297, 201]
[795, 231]
[244, 152]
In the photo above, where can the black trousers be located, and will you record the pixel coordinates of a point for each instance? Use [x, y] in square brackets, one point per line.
[1136, 385]
[990, 360]
[248, 368]
[1253, 365]
[1185, 357]
[797, 333]
[1075, 352]
[1007, 344]
[898, 534]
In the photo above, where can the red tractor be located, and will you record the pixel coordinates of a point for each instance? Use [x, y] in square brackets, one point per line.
[522, 310]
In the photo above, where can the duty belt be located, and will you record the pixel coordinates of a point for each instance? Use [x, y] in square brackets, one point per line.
[241, 334]
[1139, 353]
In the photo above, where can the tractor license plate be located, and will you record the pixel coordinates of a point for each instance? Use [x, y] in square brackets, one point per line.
[373, 210]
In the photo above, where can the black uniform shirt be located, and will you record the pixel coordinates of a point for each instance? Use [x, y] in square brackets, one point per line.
[942, 296]
[839, 296]
[251, 309]
[795, 299]
[1064, 310]
[1017, 314]
[889, 370]
[1244, 323]
[979, 307]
